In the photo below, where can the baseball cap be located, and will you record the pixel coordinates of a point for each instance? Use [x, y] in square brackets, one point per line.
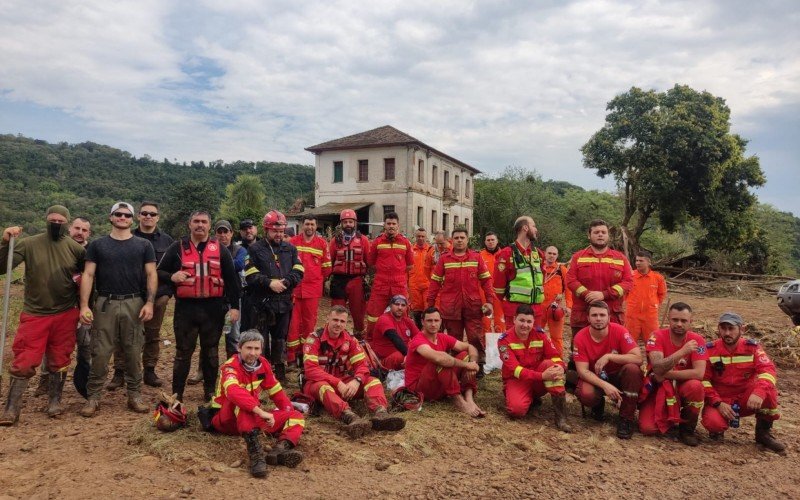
[289, 231]
[731, 318]
[399, 298]
[223, 223]
[122, 204]
[246, 223]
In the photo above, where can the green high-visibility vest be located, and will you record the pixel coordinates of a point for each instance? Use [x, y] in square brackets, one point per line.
[527, 287]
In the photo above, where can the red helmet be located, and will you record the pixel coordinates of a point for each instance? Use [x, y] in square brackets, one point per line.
[274, 220]
[170, 414]
[348, 213]
[406, 399]
[556, 312]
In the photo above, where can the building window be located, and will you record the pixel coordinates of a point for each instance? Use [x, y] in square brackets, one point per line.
[467, 188]
[446, 179]
[420, 216]
[445, 218]
[434, 174]
[388, 169]
[338, 171]
[387, 209]
[363, 170]
[455, 221]
[466, 224]
[434, 222]
[421, 171]
[456, 186]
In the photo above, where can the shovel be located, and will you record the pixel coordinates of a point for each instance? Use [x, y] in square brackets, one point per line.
[6, 303]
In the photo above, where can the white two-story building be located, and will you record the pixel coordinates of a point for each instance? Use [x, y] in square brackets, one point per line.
[386, 170]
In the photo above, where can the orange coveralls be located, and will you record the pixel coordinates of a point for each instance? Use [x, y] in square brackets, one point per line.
[641, 313]
[555, 284]
[418, 278]
[497, 322]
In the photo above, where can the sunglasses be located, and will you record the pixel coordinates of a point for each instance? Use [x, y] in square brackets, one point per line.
[148, 214]
[222, 230]
[122, 214]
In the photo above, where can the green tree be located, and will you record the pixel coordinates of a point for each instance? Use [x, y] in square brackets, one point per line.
[244, 199]
[673, 156]
[187, 197]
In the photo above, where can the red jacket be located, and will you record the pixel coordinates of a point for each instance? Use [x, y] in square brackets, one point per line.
[391, 258]
[316, 262]
[730, 373]
[608, 272]
[505, 272]
[330, 360]
[350, 259]
[520, 359]
[459, 279]
[240, 387]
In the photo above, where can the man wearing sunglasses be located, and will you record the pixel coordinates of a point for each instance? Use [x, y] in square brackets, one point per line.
[124, 270]
[148, 218]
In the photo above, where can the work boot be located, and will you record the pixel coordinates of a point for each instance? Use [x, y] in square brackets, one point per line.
[480, 373]
[258, 467]
[560, 413]
[150, 378]
[284, 453]
[382, 421]
[90, 408]
[717, 436]
[280, 372]
[196, 378]
[686, 429]
[765, 438]
[624, 429]
[117, 381]
[599, 410]
[14, 403]
[354, 426]
[54, 389]
[136, 404]
[44, 384]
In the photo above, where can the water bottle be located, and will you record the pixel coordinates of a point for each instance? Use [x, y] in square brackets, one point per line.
[301, 407]
[226, 329]
[604, 375]
[734, 423]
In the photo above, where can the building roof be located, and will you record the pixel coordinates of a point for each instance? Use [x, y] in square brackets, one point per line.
[335, 208]
[380, 137]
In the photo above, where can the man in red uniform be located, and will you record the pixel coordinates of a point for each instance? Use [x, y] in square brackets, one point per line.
[392, 258]
[740, 372]
[518, 277]
[434, 373]
[491, 247]
[348, 251]
[417, 278]
[336, 372]
[313, 252]
[677, 364]
[608, 363]
[556, 301]
[392, 333]
[457, 281]
[648, 292]
[236, 408]
[598, 273]
[531, 368]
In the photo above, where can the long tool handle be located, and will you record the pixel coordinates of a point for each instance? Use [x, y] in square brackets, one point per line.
[6, 300]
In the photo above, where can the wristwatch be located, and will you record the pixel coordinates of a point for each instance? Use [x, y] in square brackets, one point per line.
[716, 405]
[360, 382]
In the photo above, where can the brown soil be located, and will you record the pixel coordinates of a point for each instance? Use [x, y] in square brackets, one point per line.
[439, 454]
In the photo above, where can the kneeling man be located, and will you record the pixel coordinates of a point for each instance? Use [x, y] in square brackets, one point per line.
[392, 333]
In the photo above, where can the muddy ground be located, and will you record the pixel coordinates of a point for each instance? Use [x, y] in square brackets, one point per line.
[440, 454]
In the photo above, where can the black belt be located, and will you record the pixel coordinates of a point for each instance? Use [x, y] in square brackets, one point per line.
[111, 296]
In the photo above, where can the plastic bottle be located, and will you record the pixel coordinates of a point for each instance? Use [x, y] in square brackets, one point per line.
[734, 423]
[604, 375]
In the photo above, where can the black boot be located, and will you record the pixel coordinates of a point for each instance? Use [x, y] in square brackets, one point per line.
[54, 388]
[599, 410]
[765, 438]
[280, 372]
[14, 402]
[258, 467]
[44, 383]
[560, 413]
[382, 421]
[284, 453]
[150, 378]
[686, 428]
[117, 381]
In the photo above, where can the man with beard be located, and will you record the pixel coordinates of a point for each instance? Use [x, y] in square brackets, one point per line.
[491, 247]
[673, 392]
[391, 257]
[81, 230]
[206, 286]
[312, 250]
[124, 270]
[417, 279]
[348, 251]
[518, 277]
[248, 233]
[272, 272]
[608, 363]
[556, 300]
[740, 372]
[392, 333]
[49, 312]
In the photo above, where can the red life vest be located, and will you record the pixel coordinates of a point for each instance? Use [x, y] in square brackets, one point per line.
[349, 259]
[205, 271]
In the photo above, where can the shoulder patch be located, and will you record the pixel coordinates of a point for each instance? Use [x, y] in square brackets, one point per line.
[751, 342]
[701, 350]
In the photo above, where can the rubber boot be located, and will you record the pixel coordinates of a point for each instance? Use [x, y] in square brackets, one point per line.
[117, 381]
[258, 467]
[686, 429]
[355, 426]
[624, 429]
[14, 403]
[150, 378]
[197, 377]
[54, 389]
[44, 384]
[382, 421]
[284, 453]
[765, 438]
[90, 408]
[560, 413]
[136, 404]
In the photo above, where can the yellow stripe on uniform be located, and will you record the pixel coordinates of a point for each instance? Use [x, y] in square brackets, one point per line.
[620, 291]
[298, 267]
[536, 343]
[484, 276]
[515, 346]
[293, 343]
[581, 290]
[436, 277]
[252, 270]
[517, 371]
[311, 357]
[372, 383]
[357, 357]
[275, 389]
[556, 360]
[706, 383]
[322, 390]
[326, 264]
[588, 260]
[294, 421]
[768, 376]
[609, 260]
[553, 383]
[311, 250]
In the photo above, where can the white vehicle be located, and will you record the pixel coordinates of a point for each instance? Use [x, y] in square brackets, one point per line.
[789, 300]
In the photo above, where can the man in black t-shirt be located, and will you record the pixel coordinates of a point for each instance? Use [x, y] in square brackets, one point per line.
[124, 268]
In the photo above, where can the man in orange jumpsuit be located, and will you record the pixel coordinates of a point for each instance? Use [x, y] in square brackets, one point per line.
[417, 279]
[313, 252]
[531, 368]
[392, 258]
[556, 300]
[348, 251]
[518, 276]
[740, 372]
[648, 292]
[336, 371]
[457, 281]
[496, 322]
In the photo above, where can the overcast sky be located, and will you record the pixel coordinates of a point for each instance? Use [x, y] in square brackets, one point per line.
[493, 83]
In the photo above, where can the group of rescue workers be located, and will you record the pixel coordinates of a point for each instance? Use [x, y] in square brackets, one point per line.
[418, 307]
